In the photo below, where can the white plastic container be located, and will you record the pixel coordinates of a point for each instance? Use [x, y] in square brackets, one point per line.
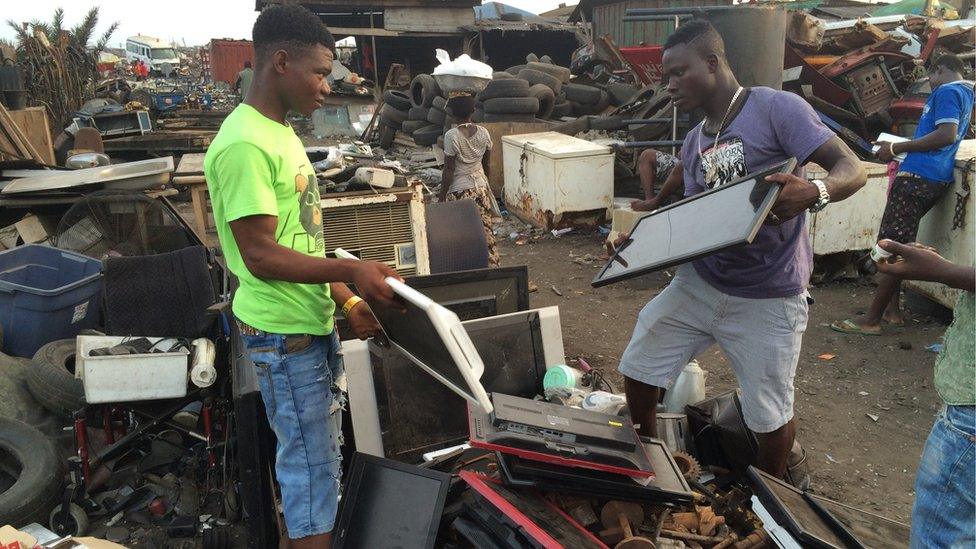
[604, 402]
[561, 376]
[689, 388]
[127, 378]
[554, 180]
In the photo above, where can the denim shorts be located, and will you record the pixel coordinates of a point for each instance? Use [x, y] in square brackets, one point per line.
[760, 337]
[944, 514]
[302, 385]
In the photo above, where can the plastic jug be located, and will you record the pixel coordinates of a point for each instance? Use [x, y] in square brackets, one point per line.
[604, 402]
[562, 376]
[689, 388]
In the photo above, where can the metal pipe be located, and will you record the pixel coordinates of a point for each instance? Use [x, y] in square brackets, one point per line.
[674, 11]
[649, 18]
[643, 144]
[639, 121]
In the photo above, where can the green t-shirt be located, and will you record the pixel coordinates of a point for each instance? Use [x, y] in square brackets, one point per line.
[955, 369]
[256, 166]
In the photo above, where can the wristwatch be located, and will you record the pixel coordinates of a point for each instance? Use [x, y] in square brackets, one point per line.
[824, 198]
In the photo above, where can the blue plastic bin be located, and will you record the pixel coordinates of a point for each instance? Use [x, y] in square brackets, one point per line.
[46, 294]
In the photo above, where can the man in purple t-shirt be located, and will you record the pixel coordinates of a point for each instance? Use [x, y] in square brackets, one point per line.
[751, 300]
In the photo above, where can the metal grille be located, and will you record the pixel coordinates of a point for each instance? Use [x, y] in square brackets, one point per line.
[371, 231]
[873, 90]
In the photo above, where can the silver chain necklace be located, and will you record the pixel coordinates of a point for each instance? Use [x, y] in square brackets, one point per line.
[711, 174]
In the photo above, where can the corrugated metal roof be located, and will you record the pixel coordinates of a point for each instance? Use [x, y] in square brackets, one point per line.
[608, 18]
[494, 10]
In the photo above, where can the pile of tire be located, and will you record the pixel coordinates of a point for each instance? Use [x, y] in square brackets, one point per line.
[537, 90]
[420, 112]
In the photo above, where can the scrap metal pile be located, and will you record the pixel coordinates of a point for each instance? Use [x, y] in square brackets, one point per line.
[540, 474]
[868, 76]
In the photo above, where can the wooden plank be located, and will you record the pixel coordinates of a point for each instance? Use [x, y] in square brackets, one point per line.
[189, 180]
[497, 130]
[33, 123]
[427, 19]
[14, 132]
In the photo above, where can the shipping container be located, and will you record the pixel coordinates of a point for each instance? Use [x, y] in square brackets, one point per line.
[227, 58]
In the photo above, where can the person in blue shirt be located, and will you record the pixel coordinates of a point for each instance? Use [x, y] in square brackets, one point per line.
[922, 179]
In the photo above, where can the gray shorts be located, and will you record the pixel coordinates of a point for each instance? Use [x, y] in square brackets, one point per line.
[761, 338]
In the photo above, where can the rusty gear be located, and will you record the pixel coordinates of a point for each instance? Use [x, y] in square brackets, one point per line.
[688, 465]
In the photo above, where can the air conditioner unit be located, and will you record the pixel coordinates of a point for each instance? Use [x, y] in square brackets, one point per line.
[386, 226]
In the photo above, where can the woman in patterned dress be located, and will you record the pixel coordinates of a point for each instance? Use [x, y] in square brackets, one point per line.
[465, 148]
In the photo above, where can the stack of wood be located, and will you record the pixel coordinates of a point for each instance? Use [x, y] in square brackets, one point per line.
[15, 145]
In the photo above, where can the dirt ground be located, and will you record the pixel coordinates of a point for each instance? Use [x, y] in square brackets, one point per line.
[854, 459]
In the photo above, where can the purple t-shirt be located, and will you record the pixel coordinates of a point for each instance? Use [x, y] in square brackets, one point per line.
[771, 127]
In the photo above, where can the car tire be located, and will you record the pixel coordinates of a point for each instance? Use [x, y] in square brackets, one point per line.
[38, 487]
[510, 118]
[436, 116]
[584, 95]
[562, 73]
[417, 113]
[393, 114]
[547, 100]
[428, 135]
[620, 93]
[423, 90]
[537, 77]
[502, 75]
[515, 70]
[51, 379]
[562, 109]
[411, 126]
[512, 105]
[512, 87]
[397, 99]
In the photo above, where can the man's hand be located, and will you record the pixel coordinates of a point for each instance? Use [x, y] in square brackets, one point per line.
[645, 205]
[796, 196]
[885, 150]
[369, 278]
[912, 261]
[362, 321]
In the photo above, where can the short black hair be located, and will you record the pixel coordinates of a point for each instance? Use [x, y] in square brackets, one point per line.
[289, 27]
[247, 64]
[700, 34]
[949, 61]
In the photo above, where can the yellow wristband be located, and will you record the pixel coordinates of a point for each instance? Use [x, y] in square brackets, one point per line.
[350, 304]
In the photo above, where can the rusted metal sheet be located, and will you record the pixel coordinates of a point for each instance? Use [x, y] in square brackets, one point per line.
[821, 86]
[609, 19]
[227, 58]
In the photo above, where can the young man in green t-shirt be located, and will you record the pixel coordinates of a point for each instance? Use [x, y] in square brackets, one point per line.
[269, 220]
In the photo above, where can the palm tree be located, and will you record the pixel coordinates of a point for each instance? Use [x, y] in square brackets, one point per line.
[78, 36]
[59, 63]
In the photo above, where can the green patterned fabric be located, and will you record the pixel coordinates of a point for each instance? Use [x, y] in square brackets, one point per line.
[955, 369]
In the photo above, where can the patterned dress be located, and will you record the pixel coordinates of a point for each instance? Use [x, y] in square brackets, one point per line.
[469, 180]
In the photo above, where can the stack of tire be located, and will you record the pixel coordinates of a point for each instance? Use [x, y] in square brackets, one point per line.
[393, 114]
[524, 93]
[419, 112]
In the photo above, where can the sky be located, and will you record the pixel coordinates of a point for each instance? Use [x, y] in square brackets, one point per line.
[194, 22]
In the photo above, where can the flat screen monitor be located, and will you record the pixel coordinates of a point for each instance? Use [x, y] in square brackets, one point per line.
[390, 504]
[698, 226]
[432, 337]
